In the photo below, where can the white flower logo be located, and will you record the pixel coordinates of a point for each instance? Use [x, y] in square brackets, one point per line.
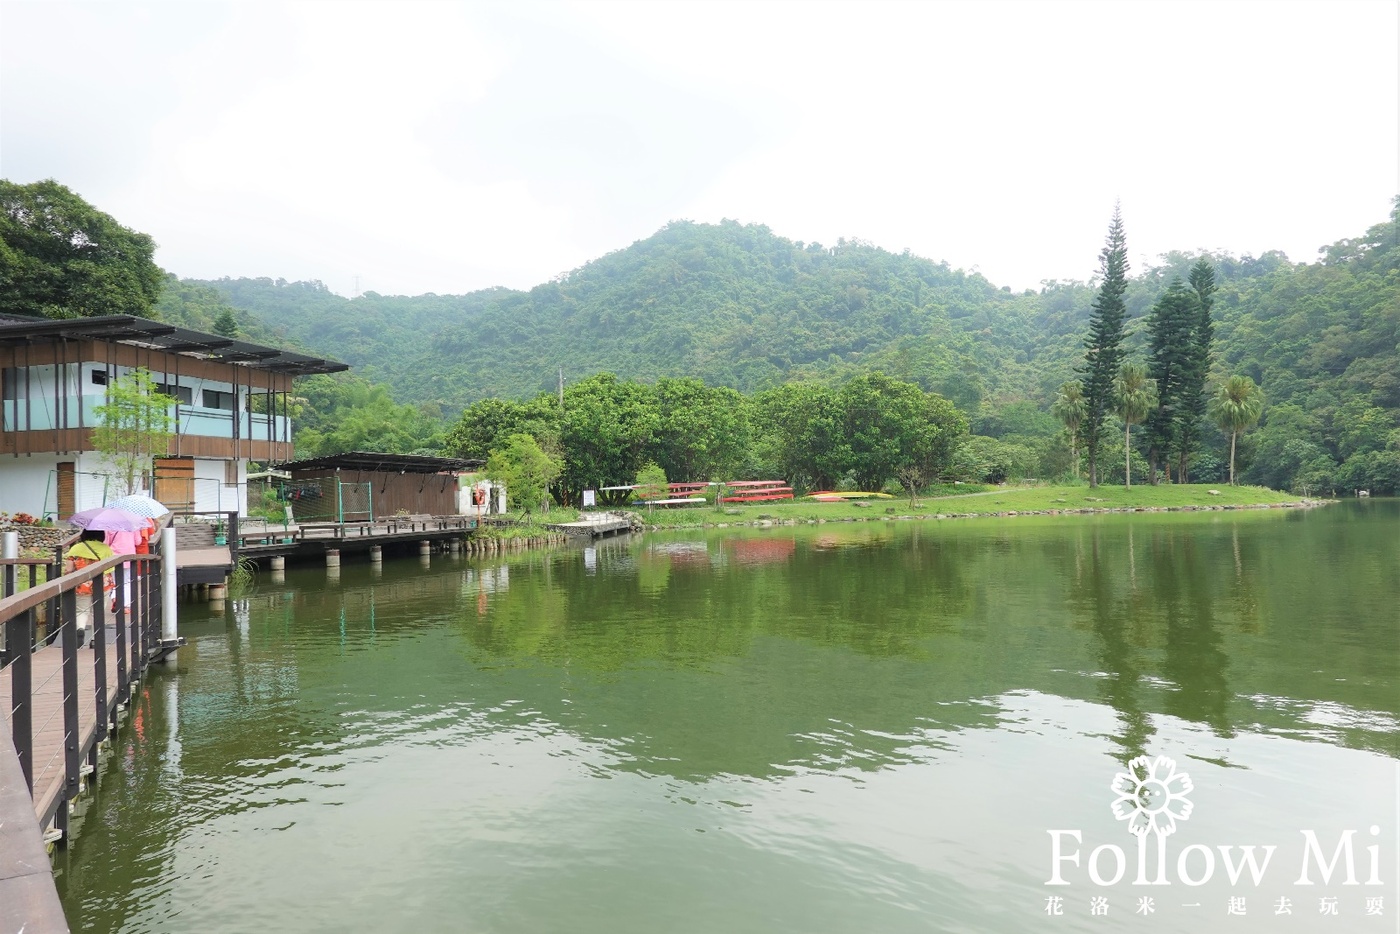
[1152, 796]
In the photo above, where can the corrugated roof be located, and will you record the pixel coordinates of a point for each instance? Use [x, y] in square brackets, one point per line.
[386, 463]
[158, 335]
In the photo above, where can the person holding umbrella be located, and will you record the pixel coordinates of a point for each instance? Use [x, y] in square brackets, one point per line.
[89, 549]
[121, 528]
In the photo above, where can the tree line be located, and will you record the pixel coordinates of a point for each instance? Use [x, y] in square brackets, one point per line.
[603, 431]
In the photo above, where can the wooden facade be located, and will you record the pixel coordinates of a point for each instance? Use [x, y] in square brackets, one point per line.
[263, 441]
[391, 492]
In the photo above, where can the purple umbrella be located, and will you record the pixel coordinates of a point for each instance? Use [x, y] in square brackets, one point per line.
[107, 520]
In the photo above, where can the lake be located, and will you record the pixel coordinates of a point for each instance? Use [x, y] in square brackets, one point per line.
[884, 726]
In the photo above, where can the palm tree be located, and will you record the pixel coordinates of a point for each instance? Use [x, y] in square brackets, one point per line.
[1134, 395]
[1070, 408]
[1236, 406]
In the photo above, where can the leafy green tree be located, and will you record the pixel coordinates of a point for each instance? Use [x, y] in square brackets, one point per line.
[60, 257]
[798, 434]
[134, 426]
[888, 423]
[651, 482]
[344, 412]
[1135, 395]
[1069, 407]
[702, 431]
[489, 422]
[1237, 405]
[1104, 345]
[525, 469]
[226, 325]
[607, 429]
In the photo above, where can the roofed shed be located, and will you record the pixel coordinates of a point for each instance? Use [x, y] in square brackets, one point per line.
[362, 485]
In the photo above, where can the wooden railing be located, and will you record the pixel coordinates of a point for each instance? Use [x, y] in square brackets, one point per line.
[136, 620]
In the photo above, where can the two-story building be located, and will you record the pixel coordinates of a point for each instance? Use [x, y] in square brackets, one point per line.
[231, 407]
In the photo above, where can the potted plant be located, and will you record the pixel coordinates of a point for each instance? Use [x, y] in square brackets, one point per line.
[220, 533]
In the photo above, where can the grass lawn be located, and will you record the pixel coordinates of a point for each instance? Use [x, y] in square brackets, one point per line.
[980, 501]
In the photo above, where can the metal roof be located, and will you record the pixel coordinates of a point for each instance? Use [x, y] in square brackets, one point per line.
[383, 463]
[157, 335]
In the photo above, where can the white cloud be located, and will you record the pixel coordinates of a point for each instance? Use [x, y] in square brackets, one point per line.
[444, 146]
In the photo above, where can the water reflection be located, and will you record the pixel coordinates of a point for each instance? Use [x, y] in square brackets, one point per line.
[852, 711]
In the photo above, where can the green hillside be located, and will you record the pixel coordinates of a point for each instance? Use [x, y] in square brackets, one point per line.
[738, 306]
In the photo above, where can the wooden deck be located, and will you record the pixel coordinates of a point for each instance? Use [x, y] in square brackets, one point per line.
[594, 528]
[48, 714]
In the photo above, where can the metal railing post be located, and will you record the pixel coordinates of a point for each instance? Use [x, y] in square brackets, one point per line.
[138, 618]
[68, 626]
[99, 669]
[19, 636]
[123, 674]
[51, 617]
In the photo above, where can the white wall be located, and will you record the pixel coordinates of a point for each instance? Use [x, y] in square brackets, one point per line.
[30, 484]
[26, 481]
[210, 491]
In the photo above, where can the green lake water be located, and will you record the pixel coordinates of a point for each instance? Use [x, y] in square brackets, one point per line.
[866, 727]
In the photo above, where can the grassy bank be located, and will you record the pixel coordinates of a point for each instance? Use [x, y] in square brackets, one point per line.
[1047, 500]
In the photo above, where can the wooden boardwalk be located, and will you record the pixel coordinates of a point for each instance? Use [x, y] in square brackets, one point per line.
[597, 527]
[48, 714]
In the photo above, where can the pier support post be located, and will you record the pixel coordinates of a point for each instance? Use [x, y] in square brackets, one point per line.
[170, 601]
[455, 546]
[218, 593]
[376, 554]
[279, 562]
[425, 549]
[332, 557]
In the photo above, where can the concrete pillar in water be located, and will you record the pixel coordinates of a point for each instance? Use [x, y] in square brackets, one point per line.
[279, 562]
[376, 553]
[455, 546]
[169, 597]
[425, 548]
[218, 593]
[332, 557]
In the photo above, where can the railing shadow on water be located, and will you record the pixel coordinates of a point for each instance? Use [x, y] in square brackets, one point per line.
[62, 691]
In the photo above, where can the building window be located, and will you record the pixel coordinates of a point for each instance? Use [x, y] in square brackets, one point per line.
[218, 399]
[184, 395]
[11, 384]
[99, 377]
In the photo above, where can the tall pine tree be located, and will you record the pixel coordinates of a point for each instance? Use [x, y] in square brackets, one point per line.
[1104, 345]
[1171, 330]
[1202, 335]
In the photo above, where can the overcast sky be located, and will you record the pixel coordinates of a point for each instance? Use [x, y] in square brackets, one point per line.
[445, 147]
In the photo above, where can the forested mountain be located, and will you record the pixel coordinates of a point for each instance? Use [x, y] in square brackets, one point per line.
[738, 306]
